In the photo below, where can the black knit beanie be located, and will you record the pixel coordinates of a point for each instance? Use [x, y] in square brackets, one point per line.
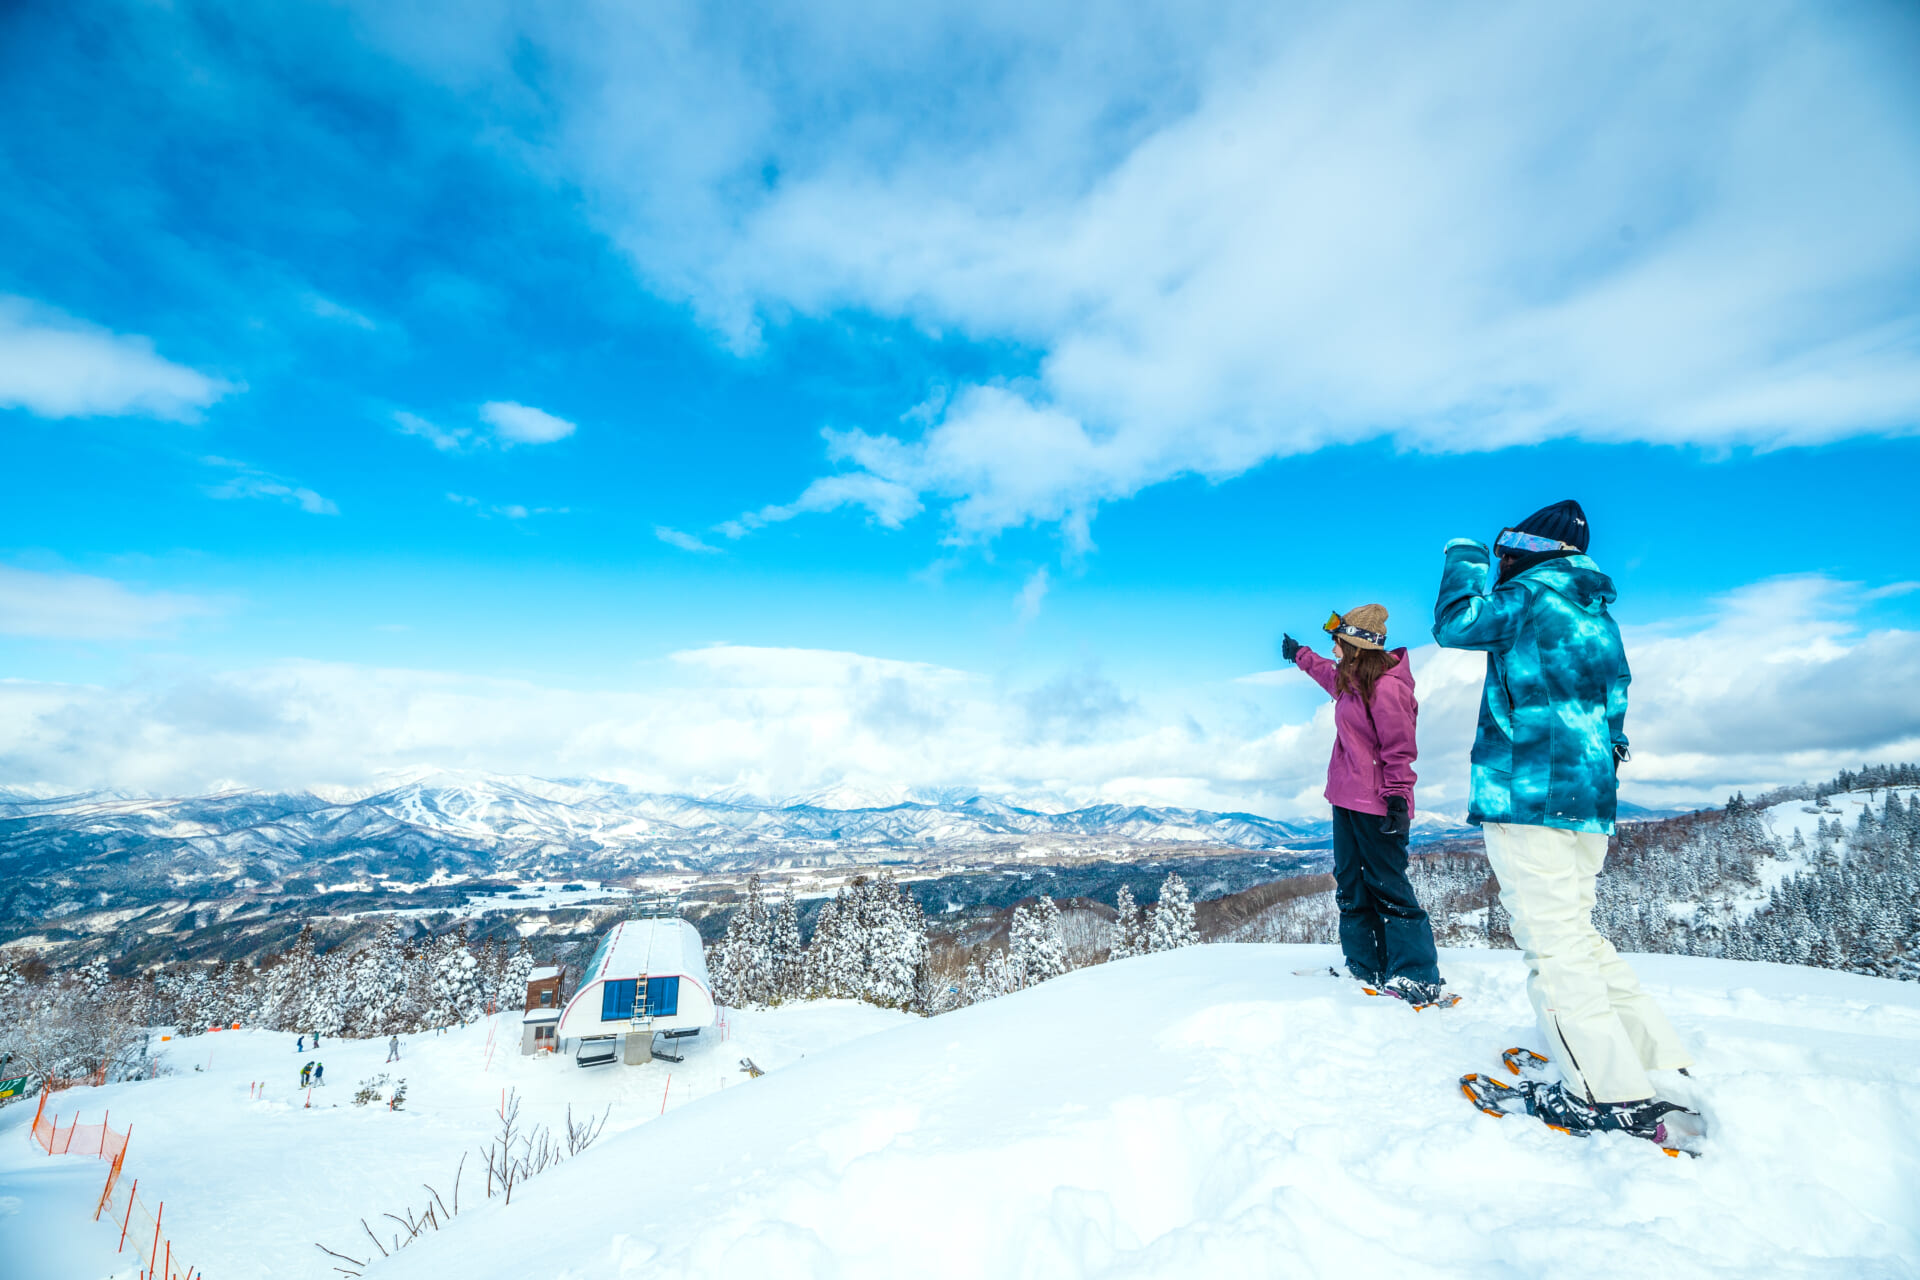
[1563, 522]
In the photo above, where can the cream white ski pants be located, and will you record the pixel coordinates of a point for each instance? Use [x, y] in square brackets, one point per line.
[1600, 1028]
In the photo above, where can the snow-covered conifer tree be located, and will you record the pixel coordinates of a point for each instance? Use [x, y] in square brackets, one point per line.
[1035, 944]
[787, 949]
[896, 944]
[1128, 929]
[1172, 924]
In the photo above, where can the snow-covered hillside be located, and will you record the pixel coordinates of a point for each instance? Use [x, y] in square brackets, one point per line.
[1200, 1112]
[250, 1184]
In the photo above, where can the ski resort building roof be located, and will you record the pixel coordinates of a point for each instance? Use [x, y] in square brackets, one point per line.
[662, 952]
[544, 972]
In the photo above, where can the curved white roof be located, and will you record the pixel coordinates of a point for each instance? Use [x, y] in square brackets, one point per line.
[661, 946]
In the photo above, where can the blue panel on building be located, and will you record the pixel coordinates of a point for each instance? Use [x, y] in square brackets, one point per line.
[616, 998]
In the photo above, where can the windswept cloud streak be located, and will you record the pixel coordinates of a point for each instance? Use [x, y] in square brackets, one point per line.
[78, 606]
[243, 480]
[55, 366]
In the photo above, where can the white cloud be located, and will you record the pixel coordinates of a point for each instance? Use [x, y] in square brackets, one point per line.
[246, 481]
[81, 607]
[506, 510]
[684, 541]
[521, 424]
[1780, 683]
[328, 309]
[56, 366]
[1236, 232]
[888, 502]
[1032, 592]
[445, 439]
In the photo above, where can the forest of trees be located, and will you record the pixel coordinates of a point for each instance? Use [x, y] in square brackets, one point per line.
[1852, 902]
[87, 1022]
[870, 943]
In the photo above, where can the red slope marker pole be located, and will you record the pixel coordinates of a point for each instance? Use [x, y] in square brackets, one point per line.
[129, 1218]
[103, 1133]
[153, 1254]
[663, 1093]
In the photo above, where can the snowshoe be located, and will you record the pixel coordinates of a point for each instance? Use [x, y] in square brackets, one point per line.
[1525, 1062]
[1667, 1125]
[1495, 1097]
[1421, 995]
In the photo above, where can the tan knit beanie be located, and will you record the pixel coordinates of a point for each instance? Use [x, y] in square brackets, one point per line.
[1368, 617]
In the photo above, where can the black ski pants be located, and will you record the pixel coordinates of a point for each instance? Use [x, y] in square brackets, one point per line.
[1384, 932]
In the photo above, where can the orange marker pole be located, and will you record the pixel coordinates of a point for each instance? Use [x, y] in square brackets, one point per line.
[153, 1254]
[663, 1093]
[103, 1133]
[129, 1218]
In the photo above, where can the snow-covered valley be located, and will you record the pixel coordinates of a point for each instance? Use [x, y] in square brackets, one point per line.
[1200, 1112]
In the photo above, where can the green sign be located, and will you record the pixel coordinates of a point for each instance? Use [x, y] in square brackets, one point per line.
[8, 1088]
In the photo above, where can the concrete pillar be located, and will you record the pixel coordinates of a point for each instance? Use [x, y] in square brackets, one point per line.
[639, 1048]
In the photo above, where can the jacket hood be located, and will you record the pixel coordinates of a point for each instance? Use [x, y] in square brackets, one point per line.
[1401, 670]
[1577, 578]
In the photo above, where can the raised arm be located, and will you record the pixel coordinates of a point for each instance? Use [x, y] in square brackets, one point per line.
[1318, 667]
[1471, 613]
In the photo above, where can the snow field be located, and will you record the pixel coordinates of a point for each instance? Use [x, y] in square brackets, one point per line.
[250, 1184]
[1207, 1112]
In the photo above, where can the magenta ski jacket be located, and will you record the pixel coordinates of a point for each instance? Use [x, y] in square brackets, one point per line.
[1373, 747]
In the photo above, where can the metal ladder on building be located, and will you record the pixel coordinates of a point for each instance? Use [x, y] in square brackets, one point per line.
[641, 1017]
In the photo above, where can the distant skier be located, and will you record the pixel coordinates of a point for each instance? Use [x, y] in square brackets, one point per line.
[393, 1049]
[306, 1075]
[1546, 760]
[1384, 932]
[300, 1046]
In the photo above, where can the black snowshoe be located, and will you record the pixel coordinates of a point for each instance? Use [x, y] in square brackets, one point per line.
[1421, 995]
[1668, 1125]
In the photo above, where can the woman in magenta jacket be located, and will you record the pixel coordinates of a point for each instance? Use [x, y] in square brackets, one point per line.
[1384, 932]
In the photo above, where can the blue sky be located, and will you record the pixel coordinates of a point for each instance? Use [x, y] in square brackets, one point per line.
[964, 396]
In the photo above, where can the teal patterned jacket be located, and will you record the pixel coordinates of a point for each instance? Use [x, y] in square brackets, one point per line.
[1555, 700]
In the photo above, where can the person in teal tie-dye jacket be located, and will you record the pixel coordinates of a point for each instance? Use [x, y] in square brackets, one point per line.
[1553, 711]
[1551, 739]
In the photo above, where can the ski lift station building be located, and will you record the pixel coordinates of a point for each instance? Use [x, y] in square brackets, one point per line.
[648, 977]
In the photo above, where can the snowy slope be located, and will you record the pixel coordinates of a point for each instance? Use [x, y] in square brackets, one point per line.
[1198, 1113]
[250, 1185]
[1206, 1112]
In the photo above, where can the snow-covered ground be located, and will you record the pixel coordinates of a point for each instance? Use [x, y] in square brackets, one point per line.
[1201, 1112]
[250, 1184]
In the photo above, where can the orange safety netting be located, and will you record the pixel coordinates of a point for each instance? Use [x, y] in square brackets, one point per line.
[138, 1225]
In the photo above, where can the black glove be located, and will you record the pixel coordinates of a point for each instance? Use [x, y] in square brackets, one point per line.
[1621, 754]
[1396, 822]
[1289, 647]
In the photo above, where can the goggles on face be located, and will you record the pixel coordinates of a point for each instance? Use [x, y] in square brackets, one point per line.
[1514, 540]
[1335, 625]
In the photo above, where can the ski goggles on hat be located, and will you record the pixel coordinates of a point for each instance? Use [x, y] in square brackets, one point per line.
[1514, 540]
[1335, 625]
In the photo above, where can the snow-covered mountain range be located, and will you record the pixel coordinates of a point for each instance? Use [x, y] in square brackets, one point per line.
[582, 818]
